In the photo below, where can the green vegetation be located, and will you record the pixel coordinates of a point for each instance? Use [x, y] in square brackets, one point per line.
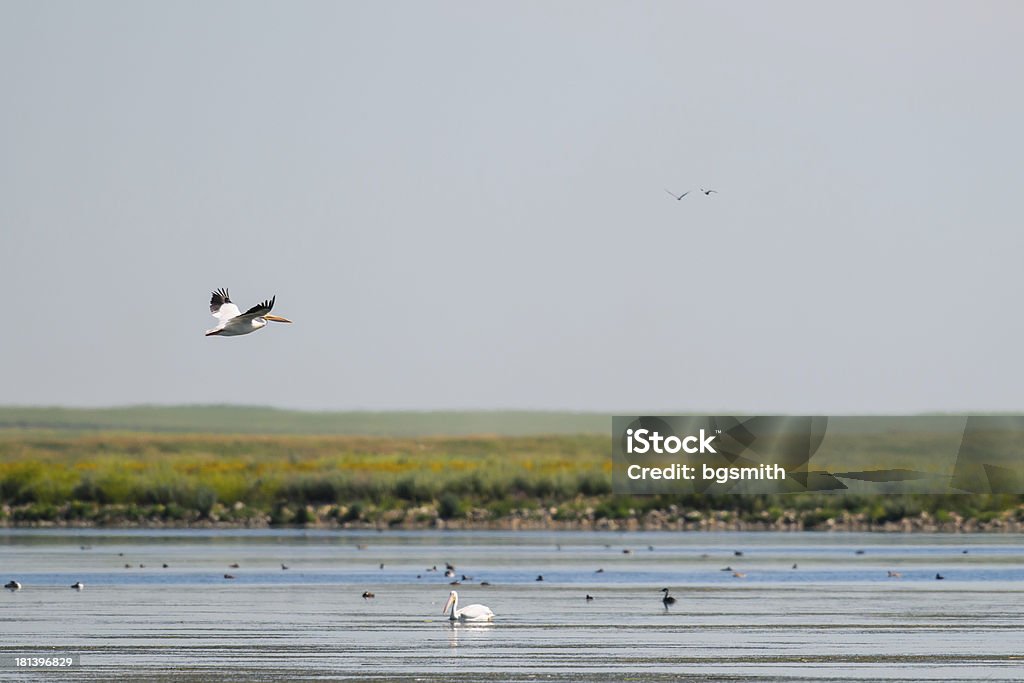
[259, 420]
[118, 478]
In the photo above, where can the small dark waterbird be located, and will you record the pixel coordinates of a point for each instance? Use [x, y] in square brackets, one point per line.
[668, 599]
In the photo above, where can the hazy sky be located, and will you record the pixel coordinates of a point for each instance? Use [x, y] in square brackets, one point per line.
[462, 204]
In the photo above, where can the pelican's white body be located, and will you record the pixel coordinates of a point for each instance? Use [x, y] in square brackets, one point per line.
[233, 322]
[467, 613]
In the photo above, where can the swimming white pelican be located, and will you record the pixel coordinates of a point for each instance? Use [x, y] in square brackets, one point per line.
[467, 613]
[233, 322]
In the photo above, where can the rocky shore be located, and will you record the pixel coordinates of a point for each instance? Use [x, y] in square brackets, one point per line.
[553, 518]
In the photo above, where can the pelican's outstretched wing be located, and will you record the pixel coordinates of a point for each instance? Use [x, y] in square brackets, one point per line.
[221, 307]
[261, 309]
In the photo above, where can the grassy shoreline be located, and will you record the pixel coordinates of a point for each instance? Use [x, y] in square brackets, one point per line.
[261, 420]
[137, 479]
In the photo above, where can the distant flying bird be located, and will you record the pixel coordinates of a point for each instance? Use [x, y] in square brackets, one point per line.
[677, 196]
[708, 192]
[233, 322]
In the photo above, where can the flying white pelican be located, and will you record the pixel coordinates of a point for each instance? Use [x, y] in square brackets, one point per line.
[467, 613]
[233, 322]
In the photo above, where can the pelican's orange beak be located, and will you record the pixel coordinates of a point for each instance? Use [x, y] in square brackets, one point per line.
[276, 319]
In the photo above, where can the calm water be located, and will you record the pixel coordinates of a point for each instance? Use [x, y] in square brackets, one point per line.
[837, 616]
